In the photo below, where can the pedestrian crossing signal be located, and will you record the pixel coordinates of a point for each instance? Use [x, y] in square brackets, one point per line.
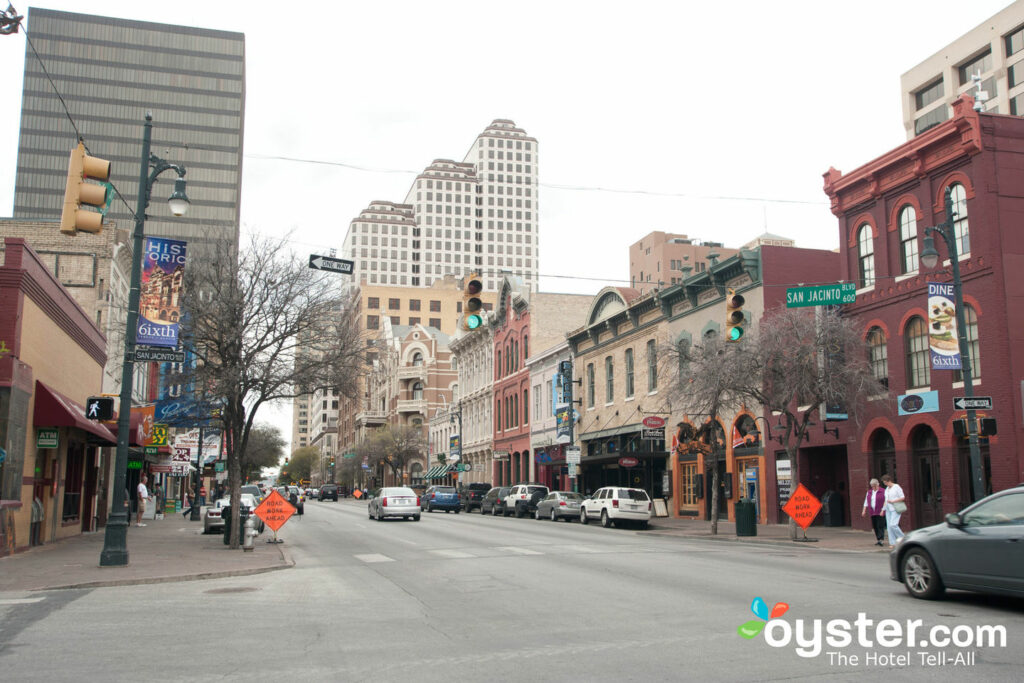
[99, 408]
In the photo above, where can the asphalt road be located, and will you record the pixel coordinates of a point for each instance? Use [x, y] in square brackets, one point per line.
[471, 598]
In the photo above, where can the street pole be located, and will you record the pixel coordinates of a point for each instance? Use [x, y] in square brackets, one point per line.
[929, 258]
[115, 539]
[194, 515]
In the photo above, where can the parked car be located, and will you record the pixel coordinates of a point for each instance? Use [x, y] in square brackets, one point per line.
[494, 500]
[471, 495]
[522, 499]
[256, 492]
[212, 520]
[394, 501]
[328, 492]
[616, 504]
[978, 549]
[559, 505]
[440, 498]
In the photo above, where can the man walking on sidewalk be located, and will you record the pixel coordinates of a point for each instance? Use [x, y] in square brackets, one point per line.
[143, 497]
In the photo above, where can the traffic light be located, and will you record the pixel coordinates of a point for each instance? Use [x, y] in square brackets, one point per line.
[734, 319]
[472, 317]
[99, 408]
[83, 167]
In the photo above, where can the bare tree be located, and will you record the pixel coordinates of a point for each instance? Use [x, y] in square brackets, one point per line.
[266, 328]
[397, 446]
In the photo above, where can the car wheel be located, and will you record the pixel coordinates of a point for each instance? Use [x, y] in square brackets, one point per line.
[554, 517]
[457, 511]
[644, 524]
[494, 510]
[430, 508]
[415, 518]
[583, 516]
[605, 520]
[520, 511]
[920, 576]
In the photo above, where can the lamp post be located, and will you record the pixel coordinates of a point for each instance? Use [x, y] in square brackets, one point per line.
[457, 413]
[115, 540]
[929, 259]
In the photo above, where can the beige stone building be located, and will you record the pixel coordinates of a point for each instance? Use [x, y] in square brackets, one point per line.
[661, 259]
[994, 50]
[473, 354]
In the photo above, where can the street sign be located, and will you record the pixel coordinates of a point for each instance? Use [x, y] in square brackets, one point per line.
[151, 450]
[158, 354]
[335, 265]
[274, 510]
[803, 506]
[972, 403]
[821, 295]
[46, 438]
[182, 454]
[648, 434]
[570, 470]
[572, 455]
[219, 466]
[159, 437]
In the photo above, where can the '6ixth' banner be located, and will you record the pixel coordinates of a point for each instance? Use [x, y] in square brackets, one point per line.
[163, 272]
[942, 334]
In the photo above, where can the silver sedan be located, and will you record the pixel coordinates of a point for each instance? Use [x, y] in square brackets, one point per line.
[559, 505]
[394, 501]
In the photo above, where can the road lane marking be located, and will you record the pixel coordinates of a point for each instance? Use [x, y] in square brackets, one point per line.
[20, 601]
[374, 557]
[518, 551]
[453, 554]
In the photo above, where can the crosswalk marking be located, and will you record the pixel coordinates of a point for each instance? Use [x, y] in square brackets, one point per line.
[20, 601]
[453, 554]
[374, 557]
[518, 551]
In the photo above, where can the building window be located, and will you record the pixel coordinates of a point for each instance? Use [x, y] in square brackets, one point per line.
[417, 391]
[590, 385]
[526, 406]
[960, 229]
[435, 306]
[414, 304]
[395, 320]
[866, 250]
[372, 322]
[1015, 74]
[918, 359]
[652, 365]
[395, 304]
[435, 323]
[414, 321]
[1015, 42]
[930, 93]
[609, 380]
[971, 323]
[417, 359]
[497, 411]
[629, 373]
[878, 356]
[526, 346]
[498, 365]
[932, 118]
[979, 65]
[908, 239]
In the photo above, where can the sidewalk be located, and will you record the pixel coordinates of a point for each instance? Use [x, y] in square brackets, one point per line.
[168, 549]
[828, 538]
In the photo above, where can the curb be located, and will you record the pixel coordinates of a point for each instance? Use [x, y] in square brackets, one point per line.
[784, 543]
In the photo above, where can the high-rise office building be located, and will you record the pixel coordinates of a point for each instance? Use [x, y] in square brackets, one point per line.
[111, 72]
[477, 215]
[993, 50]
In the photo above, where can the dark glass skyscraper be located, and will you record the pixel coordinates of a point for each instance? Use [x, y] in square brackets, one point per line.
[110, 72]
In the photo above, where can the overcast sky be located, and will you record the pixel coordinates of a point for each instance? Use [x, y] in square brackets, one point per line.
[715, 120]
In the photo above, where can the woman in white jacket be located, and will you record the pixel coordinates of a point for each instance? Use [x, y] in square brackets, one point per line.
[895, 505]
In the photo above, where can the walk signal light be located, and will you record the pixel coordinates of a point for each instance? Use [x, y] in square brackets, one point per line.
[81, 168]
[472, 306]
[734, 318]
[99, 408]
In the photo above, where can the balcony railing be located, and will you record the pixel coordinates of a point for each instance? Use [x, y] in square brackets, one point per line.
[371, 416]
[413, 372]
[416, 405]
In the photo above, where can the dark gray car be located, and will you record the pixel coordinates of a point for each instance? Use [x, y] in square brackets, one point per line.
[979, 549]
[493, 502]
[559, 505]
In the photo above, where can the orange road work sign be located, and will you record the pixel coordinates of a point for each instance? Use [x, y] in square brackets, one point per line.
[274, 510]
[357, 494]
[803, 507]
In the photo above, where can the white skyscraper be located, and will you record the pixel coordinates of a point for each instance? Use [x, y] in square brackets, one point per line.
[476, 215]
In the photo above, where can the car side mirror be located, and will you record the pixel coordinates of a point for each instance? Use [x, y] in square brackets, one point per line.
[954, 520]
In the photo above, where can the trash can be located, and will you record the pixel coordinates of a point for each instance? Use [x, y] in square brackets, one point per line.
[746, 517]
[225, 514]
[832, 509]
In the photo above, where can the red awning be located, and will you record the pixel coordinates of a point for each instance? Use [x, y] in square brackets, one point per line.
[54, 409]
[136, 435]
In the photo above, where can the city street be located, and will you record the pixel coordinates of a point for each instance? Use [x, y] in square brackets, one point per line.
[466, 597]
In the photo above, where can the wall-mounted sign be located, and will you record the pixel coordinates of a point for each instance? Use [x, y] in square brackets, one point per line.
[499, 455]
[628, 461]
[46, 438]
[924, 402]
[942, 335]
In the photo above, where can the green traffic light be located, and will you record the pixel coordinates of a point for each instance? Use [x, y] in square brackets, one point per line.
[473, 321]
[735, 333]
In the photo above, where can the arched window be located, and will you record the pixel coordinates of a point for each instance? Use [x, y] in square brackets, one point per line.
[919, 372]
[908, 239]
[883, 455]
[498, 364]
[417, 358]
[629, 373]
[497, 411]
[417, 391]
[878, 356]
[526, 346]
[590, 385]
[652, 365]
[866, 251]
[963, 238]
[609, 380]
[971, 323]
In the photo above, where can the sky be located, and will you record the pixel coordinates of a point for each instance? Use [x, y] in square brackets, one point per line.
[714, 120]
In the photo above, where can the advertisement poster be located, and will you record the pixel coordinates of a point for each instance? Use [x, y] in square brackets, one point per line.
[163, 271]
[942, 335]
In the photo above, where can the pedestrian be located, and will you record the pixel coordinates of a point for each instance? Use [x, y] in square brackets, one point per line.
[874, 504]
[158, 503]
[143, 497]
[186, 506]
[895, 505]
[202, 495]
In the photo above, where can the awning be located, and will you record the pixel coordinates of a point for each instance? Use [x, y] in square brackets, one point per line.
[614, 431]
[438, 471]
[54, 409]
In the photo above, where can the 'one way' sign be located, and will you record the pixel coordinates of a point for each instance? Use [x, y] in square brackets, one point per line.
[972, 403]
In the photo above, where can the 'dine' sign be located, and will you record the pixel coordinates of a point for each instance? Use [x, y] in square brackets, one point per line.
[942, 333]
[163, 272]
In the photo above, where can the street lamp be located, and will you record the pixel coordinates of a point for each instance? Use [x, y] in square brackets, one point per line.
[115, 540]
[451, 418]
[930, 259]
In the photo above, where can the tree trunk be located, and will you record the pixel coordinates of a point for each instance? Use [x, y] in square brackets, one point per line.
[714, 499]
[235, 477]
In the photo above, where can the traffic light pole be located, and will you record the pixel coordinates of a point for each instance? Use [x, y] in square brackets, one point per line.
[115, 539]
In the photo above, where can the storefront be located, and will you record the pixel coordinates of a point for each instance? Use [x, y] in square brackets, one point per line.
[622, 457]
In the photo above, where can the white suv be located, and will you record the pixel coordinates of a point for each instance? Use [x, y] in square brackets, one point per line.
[522, 499]
[614, 504]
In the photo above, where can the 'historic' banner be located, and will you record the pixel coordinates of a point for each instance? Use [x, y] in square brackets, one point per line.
[942, 337]
[163, 271]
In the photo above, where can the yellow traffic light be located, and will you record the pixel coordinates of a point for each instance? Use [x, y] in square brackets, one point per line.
[83, 167]
[734, 318]
[472, 318]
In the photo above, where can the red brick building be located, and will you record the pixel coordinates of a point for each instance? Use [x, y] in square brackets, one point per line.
[883, 209]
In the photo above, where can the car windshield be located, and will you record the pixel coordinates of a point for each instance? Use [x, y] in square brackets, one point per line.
[572, 496]
[535, 489]
[633, 494]
[445, 489]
